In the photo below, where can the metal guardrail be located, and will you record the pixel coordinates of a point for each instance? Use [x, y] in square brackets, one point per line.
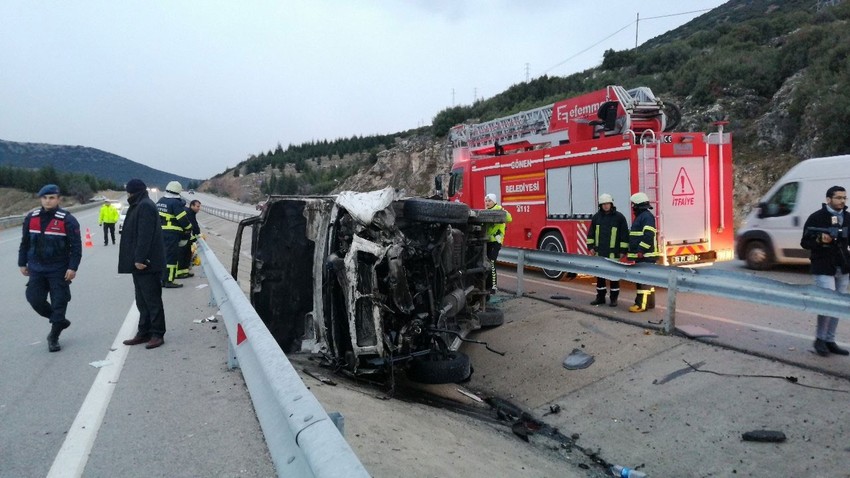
[234, 216]
[302, 439]
[14, 221]
[726, 284]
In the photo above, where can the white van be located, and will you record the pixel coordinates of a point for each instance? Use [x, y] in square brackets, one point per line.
[771, 232]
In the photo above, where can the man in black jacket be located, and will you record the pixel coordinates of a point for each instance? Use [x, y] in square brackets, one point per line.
[608, 237]
[830, 260]
[142, 254]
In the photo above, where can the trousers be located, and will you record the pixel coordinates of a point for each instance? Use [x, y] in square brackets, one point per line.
[149, 302]
[42, 284]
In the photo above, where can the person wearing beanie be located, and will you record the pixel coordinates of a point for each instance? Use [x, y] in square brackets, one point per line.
[49, 255]
[643, 247]
[141, 253]
[495, 238]
[608, 237]
[176, 230]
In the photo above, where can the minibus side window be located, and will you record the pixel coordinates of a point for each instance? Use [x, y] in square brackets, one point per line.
[782, 202]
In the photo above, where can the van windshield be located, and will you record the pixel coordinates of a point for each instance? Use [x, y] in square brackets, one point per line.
[782, 202]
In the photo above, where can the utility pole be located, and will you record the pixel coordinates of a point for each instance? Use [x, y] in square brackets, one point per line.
[526, 72]
[637, 23]
[475, 94]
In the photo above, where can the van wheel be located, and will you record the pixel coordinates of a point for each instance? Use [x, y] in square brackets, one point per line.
[757, 256]
[553, 242]
[439, 367]
[491, 318]
[428, 210]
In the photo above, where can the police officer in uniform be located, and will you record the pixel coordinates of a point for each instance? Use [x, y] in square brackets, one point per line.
[175, 227]
[495, 238]
[643, 247]
[49, 255]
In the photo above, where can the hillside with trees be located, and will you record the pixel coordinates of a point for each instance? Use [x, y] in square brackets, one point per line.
[776, 70]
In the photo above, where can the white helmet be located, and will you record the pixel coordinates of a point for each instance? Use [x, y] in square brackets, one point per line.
[603, 198]
[639, 198]
[174, 187]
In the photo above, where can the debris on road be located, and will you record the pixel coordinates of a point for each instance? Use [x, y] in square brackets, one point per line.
[577, 359]
[470, 395]
[560, 297]
[764, 436]
[100, 363]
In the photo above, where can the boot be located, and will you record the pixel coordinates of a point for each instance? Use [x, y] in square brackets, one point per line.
[614, 296]
[600, 297]
[820, 348]
[53, 337]
[834, 348]
[650, 299]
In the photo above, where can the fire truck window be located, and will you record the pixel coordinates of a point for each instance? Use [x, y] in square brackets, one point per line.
[782, 202]
[456, 182]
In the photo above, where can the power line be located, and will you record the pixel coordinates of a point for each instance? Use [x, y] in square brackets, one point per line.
[635, 22]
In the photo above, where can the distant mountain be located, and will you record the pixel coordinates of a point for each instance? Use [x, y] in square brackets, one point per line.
[80, 159]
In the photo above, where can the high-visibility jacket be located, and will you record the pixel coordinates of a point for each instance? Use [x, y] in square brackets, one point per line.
[108, 215]
[608, 234]
[172, 216]
[643, 238]
[496, 232]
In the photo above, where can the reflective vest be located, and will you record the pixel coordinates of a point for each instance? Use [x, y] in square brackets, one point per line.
[172, 216]
[108, 215]
[643, 237]
[496, 232]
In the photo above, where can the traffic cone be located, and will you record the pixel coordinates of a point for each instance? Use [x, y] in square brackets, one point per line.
[88, 238]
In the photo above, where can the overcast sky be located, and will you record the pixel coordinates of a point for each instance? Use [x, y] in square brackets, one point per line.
[195, 87]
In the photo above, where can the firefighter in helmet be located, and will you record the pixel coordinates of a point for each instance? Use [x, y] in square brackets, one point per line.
[495, 238]
[176, 229]
[643, 247]
[608, 237]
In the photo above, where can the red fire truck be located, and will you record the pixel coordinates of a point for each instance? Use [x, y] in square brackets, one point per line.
[548, 166]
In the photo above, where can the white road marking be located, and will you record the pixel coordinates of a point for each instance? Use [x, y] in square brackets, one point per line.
[74, 454]
[678, 310]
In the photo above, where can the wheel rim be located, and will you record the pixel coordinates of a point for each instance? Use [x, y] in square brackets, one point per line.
[551, 244]
[757, 256]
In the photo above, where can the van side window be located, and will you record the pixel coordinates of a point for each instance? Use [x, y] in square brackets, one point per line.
[782, 202]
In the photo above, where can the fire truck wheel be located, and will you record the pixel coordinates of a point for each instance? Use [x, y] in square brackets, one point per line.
[489, 216]
[429, 210]
[491, 317]
[450, 367]
[553, 242]
[758, 256]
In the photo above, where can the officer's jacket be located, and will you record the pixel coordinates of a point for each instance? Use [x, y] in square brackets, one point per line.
[609, 234]
[108, 215]
[50, 241]
[826, 258]
[643, 238]
[496, 232]
[172, 216]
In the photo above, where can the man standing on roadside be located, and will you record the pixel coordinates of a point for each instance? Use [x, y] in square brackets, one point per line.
[49, 255]
[184, 266]
[107, 218]
[608, 237]
[495, 239]
[830, 260]
[142, 254]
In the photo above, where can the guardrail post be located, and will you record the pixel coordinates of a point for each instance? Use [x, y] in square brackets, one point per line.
[520, 271]
[670, 317]
[232, 361]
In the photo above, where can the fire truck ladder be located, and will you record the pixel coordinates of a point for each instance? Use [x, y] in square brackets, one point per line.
[649, 168]
[530, 126]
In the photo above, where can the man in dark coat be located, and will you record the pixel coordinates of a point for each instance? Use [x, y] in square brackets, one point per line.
[830, 260]
[142, 254]
[49, 255]
[608, 237]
